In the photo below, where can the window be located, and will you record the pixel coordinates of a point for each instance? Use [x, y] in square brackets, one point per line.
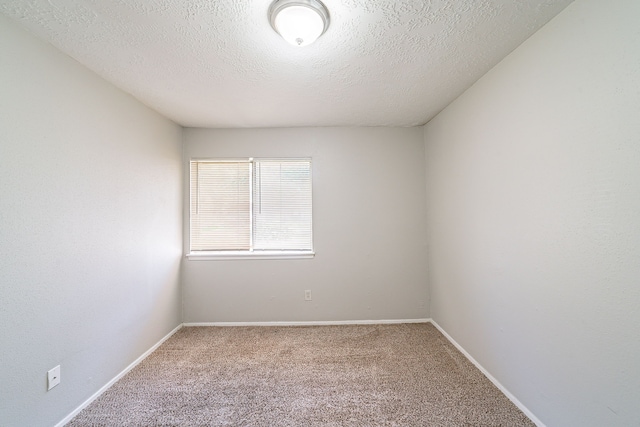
[253, 208]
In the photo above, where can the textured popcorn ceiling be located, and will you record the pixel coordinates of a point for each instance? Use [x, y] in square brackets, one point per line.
[218, 63]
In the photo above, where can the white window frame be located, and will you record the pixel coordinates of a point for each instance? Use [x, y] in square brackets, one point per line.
[248, 254]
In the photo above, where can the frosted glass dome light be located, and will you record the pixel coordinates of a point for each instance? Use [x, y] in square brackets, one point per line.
[299, 22]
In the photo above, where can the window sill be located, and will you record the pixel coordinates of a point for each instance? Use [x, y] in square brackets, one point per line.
[232, 255]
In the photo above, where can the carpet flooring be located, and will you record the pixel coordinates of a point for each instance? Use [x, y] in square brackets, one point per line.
[370, 375]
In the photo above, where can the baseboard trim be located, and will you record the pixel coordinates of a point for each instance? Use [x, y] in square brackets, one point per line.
[105, 387]
[311, 323]
[491, 378]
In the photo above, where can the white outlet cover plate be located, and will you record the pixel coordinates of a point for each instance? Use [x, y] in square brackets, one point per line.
[53, 377]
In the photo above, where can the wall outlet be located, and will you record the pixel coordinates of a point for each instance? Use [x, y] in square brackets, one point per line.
[53, 377]
[307, 295]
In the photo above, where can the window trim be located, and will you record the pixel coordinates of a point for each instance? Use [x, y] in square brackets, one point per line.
[258, 255]
[250, 254]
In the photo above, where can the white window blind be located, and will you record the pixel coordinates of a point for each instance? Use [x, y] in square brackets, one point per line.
[220, 206]
[282, 205]
[253, 206]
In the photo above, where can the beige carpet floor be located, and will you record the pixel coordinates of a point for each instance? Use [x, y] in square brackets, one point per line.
[373, 375]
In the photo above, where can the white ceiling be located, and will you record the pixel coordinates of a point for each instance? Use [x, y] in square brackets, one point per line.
[218, 63]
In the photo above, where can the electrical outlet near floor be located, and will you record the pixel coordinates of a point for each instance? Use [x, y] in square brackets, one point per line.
[53, 377]
[307, 295]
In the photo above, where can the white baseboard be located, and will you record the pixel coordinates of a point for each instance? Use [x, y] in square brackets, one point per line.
[104, 388]
[312, 323]
[486, 373]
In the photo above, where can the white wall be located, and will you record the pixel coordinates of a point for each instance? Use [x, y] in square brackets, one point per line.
[90, 229]
[368, 223]
[533, 195]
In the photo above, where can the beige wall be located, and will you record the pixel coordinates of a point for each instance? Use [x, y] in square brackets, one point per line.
[368, 224]
[533, 195]
[90, 230]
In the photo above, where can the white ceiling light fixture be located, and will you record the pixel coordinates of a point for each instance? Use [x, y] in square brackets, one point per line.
[300, 22]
